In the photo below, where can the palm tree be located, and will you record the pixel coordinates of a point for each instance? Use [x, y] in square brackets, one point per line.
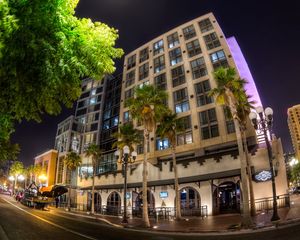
[226, 92]
[94, 152]
[244, 108]
[169, 126]
[72, 161]
[16, 169]
[147, 107]
[127, 136]
[30, 171]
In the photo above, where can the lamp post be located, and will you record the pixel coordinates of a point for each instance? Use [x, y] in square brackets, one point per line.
[263, 124]
[12, 179]
[125, 159]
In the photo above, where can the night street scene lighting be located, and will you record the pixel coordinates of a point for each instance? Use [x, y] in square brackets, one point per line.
[262, 122]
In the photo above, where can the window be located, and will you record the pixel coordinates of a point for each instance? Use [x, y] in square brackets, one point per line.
[81, 104]
[205, 25]
[144, 55]
[211, 41]
[92, 100]
[158, 47]
[159, 64]
[143, 84]
[161, 81]
[181, 100]
[229, 122]
[189, 32]
[162, 144]
[193, 48]
[175, 56]
[202, 89]
[173, 40]
[209, 124]
[130, 78]
[198, 68]
[131, 62]
[218, 59]
[143, 71]
[126, 117]
[129, 93]
[186, 136]
[178, 76]
[93, 92]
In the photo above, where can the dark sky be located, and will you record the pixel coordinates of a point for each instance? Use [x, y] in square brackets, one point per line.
[267, 32]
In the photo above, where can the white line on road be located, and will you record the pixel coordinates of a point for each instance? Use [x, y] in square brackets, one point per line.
[51, 223]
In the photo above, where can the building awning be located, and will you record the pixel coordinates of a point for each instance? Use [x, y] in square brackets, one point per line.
[191, 179]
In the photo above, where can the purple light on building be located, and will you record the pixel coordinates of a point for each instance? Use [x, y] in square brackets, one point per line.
[243, 70]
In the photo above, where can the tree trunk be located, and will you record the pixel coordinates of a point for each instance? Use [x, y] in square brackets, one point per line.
[246, 218]
[146, 221]
[93, 189]
[69, 199]
[177, 195]
[248, 160]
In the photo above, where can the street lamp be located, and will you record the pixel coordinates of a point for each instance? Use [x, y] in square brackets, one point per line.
[12, 179]
[42, 178]
[263, 124]
[125, 159]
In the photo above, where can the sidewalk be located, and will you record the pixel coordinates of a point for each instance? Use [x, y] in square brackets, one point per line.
[219, 223]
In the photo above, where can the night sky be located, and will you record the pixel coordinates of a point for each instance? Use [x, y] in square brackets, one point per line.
[267, 32]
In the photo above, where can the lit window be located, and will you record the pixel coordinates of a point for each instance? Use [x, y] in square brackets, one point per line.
[93, 92]
[92, 100]
[218, 59]
[158, 47]
[173, 40]
[162, 144]
[175, 56]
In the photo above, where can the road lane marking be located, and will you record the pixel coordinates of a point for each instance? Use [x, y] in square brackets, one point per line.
[51, 223]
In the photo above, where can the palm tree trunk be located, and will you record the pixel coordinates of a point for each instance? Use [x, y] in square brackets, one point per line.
[248, 160]
[246, 218]
[146, 221]
[69, 199]
[93, 190]
[177, 195]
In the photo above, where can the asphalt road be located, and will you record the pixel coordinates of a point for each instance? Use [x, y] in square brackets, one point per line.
[18, 222]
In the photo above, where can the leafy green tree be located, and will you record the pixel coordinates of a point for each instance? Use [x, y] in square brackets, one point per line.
[168, 128]
[72, 161]
[229, 86]
[8, 151]
[95, 152]
[296, 173]
[45, 51]
[147, 107]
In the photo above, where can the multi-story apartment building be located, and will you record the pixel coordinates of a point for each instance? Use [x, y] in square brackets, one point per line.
[294, 126]
[96, 118]
[182, 62]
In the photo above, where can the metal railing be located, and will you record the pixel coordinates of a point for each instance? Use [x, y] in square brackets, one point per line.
[266, 204]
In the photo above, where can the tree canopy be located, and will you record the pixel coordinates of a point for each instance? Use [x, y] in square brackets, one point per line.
[45, 51]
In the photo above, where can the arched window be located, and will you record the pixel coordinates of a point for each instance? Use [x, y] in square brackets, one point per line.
[114, 204]
[189, 198]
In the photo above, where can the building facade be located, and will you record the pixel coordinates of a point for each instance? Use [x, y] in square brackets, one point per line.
[47, 160]
[181, 61]
[294, 127]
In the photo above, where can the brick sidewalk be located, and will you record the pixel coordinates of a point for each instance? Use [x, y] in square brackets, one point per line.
[219, 223]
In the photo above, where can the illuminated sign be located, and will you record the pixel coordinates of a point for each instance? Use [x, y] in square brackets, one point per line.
[263, 176]
[163, 194]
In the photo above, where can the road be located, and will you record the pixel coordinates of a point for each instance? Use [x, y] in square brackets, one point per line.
[21, 223]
